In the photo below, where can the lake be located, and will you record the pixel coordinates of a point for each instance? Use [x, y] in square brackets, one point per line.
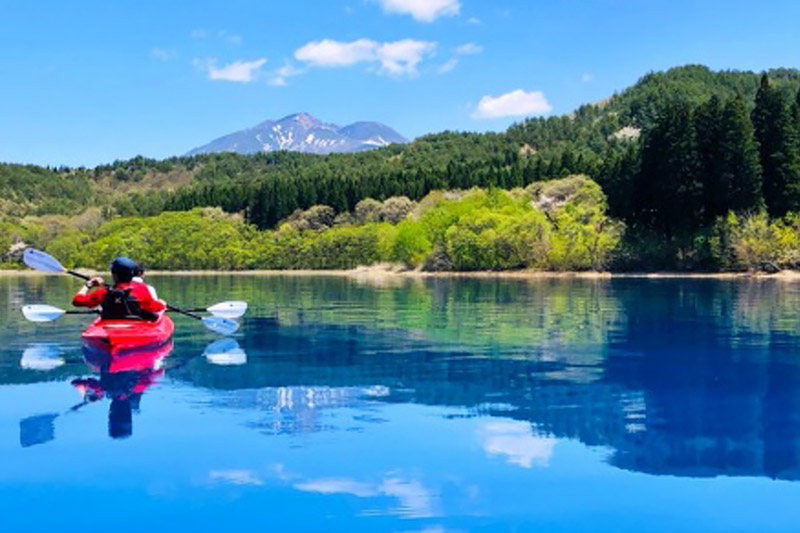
[413, 405]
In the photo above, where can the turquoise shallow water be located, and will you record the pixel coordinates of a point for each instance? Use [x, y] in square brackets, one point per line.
[413, 406]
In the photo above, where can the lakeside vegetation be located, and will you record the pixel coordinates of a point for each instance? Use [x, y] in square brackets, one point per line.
[687, 170]
[559, 225]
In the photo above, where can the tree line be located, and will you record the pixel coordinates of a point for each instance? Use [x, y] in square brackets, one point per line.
[700, 162]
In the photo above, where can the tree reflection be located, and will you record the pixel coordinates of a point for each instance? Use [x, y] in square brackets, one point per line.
[678, 377]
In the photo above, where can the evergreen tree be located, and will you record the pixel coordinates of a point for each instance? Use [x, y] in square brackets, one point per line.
[668, 192]
[796, 113]
[739, 165]
[708, 123]
[618, 177]
[780, 157]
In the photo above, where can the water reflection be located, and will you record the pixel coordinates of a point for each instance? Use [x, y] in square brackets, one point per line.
[225, 351]
[42, 356]
[37, 429]
[123, 379]
[678, 378]
[687, 378]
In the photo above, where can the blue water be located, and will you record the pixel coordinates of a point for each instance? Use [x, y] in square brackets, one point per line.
[414, 406]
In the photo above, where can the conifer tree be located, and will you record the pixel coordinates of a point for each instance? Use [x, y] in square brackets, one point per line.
[739, 165]
[708, 122]
[796, 113]
[668, 193]
[780, 156]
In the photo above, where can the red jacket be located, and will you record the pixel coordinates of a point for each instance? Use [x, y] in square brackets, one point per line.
[138, 290]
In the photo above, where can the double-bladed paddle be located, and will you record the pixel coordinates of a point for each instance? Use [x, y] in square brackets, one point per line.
[48, 313]
[221, 322]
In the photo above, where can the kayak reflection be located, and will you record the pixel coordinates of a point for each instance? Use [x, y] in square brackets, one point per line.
[124, 377]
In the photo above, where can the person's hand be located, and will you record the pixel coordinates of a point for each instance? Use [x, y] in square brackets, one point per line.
[96, 281]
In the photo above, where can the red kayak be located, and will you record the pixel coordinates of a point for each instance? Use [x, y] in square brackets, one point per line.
[129, 334]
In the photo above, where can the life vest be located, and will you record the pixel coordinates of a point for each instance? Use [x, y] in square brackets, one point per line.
[119, 304]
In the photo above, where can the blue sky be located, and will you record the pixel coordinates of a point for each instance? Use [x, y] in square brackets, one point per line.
[87, 82]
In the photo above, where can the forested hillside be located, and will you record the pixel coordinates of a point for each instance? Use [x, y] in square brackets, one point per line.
[675, 155]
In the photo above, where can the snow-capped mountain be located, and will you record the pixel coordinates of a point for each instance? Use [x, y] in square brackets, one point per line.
[303, 133]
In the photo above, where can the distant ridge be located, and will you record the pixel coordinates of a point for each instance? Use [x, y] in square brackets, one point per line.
[302, 132]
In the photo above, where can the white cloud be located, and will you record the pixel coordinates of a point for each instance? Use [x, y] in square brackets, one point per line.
[330, 53]
[279, 75]
[474, 21]
[162, 54]
[515, 440]
[514, 103]
[587, 78]
[402, 57]
[465, 49]
[446, 67]
[468, 49]
[396, 58]
[239, 71]
[230, 38]
[199, 33]
[422, 10]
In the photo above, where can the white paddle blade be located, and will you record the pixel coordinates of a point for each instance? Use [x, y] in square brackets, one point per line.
[41, 261]
[42, 313]
[228, 309]
[223, 326]
[225, 352]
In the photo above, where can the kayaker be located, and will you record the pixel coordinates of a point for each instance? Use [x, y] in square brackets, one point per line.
[138, 277]
[125, 299]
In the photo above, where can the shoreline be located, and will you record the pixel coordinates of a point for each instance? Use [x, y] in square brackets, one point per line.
[383, 273]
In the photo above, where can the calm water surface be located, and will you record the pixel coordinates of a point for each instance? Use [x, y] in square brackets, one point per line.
[413, 406]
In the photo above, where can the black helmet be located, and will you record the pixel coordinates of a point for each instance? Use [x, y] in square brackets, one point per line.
[123, 268]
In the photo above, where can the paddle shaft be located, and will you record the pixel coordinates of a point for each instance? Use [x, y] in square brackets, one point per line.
[169, 307]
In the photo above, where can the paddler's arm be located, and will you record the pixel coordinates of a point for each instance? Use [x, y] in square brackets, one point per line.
[153, 306]
[87, 296]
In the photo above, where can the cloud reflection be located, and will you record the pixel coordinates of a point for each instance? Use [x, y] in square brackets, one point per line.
[516, 441]
[235, 477]
[414, 500]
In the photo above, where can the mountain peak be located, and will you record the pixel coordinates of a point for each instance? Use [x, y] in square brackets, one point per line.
[302, 132]
[306, 120]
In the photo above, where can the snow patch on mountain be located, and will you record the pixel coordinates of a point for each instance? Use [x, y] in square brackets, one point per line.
[302, 132]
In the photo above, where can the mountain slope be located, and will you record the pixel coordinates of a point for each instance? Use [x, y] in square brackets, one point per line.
[302, 132]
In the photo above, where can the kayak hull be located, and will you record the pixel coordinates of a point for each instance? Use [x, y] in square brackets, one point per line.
[116, 336]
